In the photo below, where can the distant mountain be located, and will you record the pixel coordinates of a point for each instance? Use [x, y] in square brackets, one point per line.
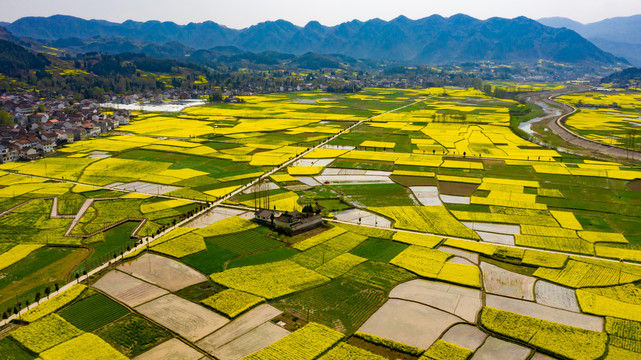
[431, 40]
[620, 36]
[559, 22]
[117, 44]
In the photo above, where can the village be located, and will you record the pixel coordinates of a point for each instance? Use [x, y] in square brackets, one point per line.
[32, 127]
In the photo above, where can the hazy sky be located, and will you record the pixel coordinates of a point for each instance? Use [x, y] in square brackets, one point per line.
[243, 13]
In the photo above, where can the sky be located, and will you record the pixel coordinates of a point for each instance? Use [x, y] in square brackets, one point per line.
[243, 13]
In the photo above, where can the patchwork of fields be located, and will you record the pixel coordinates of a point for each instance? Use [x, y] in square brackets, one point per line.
[609, 118]
[447, 236]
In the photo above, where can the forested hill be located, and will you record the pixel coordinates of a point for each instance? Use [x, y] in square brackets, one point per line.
[16, 60]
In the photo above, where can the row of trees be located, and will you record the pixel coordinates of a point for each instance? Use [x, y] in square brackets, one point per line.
[37, 297]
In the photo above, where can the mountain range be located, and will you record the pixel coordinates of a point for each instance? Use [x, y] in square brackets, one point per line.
[432, 40]
[620, 36]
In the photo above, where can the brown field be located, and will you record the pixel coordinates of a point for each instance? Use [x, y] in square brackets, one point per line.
[128, 289]
[184, 317]
[164, 272]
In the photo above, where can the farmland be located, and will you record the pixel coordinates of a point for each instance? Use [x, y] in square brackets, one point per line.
[444, 235]
[611, 118]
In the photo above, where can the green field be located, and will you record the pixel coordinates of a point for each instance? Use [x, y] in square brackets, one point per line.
[132, 335]
[379, 275]
[263, 257]
[41, 269]
[342, 304]
[379, 249]
[110, 242]
[246, 242]
[210, 261]
[11, 350]
[94, 312]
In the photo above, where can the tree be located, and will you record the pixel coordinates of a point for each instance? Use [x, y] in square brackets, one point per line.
[215, 96]
[47, 291]
[5, 118]
[308, 209]
[37, 298]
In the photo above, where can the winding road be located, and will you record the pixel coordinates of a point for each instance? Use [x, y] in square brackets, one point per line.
[556, 123]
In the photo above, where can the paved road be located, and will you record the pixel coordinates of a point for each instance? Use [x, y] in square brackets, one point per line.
[556, 123]
[600, 149]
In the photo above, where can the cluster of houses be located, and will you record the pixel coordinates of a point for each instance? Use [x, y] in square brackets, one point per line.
[156, 98]
[291, 222]
[38, 127]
